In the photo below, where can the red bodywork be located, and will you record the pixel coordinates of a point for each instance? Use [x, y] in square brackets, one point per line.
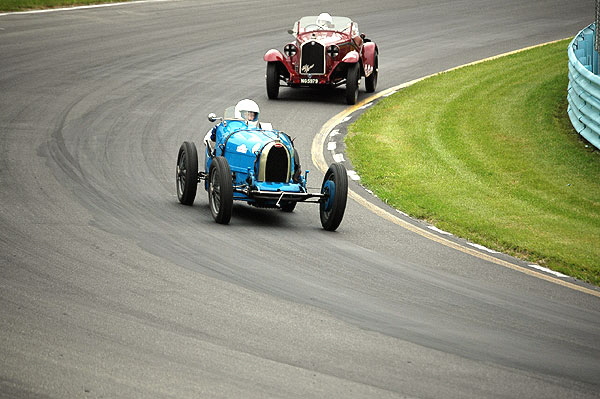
[301, 63]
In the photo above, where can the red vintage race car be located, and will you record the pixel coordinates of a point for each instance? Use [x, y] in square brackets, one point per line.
[327, 51]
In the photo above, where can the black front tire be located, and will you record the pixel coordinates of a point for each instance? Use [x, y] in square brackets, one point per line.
[187, 173]
[335, 187]
[220, 190]
[272, 80]
[371, 81]
[352, 81]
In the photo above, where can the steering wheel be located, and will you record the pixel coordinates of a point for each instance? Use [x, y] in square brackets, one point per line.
[319, 27]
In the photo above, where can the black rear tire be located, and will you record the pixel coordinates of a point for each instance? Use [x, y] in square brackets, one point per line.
[272, 78]
[352, 81]
[187, 173]
[220, 190]
[297, 168]
[335, 186]
[288, 206]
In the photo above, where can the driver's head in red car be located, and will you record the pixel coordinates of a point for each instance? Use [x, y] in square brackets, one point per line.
[324, 20]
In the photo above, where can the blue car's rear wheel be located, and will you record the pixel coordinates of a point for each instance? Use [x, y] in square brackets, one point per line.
[220, 190]
[288, 206]
[187, 173]
[335, 188]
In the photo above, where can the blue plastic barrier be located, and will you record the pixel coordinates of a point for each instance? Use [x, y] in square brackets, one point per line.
[584, 86]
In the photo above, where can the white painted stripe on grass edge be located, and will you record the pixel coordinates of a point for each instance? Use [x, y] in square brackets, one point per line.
[353, 175]
[483, 248]
[545, 269]
[439, 230]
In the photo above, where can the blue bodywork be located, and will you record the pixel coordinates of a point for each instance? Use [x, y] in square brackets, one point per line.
[262, 163]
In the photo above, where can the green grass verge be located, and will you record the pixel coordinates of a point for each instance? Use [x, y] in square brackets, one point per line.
[488, 153]
[24, 5]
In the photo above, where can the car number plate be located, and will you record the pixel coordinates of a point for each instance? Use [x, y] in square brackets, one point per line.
[309, 81]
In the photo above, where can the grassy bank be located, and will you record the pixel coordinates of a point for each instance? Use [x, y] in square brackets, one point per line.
[487, 152]
[25, 5]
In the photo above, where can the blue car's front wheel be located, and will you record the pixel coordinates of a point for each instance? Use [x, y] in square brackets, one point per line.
[220, 190]
[335, 188]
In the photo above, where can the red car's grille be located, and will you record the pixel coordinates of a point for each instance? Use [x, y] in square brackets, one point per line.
[312, 60]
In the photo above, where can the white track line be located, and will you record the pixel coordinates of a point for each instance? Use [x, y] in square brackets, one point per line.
[45, 10]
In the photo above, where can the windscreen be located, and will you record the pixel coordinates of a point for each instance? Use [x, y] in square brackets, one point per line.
[309, 23]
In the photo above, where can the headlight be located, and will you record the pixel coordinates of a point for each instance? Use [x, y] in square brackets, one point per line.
[333, 51]
[290, 50]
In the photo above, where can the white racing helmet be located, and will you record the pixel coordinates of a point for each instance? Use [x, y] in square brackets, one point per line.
[325, 20]
[247, 110]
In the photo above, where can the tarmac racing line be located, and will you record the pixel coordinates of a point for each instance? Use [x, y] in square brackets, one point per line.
[329, 141]
[330, 130]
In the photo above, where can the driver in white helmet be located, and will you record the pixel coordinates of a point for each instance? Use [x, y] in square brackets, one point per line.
[248, 111]
[324, 20]
[245, 109]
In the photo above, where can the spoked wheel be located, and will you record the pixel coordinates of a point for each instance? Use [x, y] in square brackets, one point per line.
[335, 188]
[371, 81]
[352, 80]
[272, 80]
[220, 190]
[187, 173]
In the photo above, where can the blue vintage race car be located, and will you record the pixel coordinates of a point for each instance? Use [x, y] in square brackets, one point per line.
[258, 165]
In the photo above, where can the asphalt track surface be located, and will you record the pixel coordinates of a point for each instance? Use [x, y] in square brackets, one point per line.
[110, 288]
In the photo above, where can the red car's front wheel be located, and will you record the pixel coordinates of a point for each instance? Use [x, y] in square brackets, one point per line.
[272, 78]
[352, 80]
[371, 80]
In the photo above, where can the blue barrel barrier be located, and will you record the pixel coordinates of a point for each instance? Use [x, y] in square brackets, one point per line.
[584, 86]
